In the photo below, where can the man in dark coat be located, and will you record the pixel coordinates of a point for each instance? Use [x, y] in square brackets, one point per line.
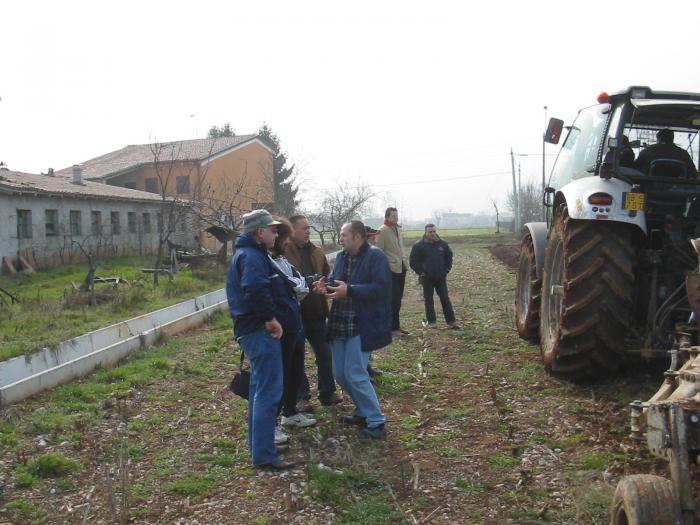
[359, 322]
[259, 307]
[310, 260]
[431, 259]
[665, 149]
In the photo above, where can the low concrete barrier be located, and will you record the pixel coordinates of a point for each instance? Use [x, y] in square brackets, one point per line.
[24, 376]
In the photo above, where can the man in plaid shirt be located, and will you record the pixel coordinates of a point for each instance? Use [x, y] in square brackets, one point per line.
[359, 322]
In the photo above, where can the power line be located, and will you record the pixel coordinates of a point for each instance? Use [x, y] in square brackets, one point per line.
[424, 181]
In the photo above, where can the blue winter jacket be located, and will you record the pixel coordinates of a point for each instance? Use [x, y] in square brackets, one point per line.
[369, 286]
[256, 292]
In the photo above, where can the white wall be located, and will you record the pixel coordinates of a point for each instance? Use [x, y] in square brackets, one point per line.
[61, 248]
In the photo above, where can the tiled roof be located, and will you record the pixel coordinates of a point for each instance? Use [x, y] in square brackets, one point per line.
[131, 157]
[17, 182]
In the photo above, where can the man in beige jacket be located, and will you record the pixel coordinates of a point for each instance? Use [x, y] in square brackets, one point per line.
[390, 241]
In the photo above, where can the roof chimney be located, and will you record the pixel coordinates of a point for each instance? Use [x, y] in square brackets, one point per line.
[77, 174]
[3, 166]
[50, 173]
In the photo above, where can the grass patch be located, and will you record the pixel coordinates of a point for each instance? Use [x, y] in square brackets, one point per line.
[51, 465]
[26, 510]
[195, 485]
[600, 460]
[51, 312]
[501, 461]
[335, 488]
[469, 488]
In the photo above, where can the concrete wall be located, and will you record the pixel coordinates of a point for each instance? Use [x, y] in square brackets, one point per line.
[44, 250]
[23, 376]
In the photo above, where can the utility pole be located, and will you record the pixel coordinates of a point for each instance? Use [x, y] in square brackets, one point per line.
[516, 197]
[544, 131]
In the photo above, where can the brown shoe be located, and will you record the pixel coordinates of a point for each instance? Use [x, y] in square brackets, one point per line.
[333, 399]
[455, 326]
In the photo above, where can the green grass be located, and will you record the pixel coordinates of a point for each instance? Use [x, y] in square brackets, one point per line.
[195, 485]
[26, 510]
[600, 460]
[51, 311]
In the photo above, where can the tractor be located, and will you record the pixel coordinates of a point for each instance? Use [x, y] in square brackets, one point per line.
[611, 274]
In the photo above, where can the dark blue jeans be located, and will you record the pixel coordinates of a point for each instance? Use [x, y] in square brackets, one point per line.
[439, 286]
[315, 332]
[264, 353]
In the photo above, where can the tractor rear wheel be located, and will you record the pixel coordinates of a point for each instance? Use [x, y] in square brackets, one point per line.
[587, 291]
[528, 289]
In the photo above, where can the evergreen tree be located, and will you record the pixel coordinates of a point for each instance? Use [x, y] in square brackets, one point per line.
[283, 177]
[224, 131]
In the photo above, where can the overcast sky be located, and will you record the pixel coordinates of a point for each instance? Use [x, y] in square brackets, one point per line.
[422, 100]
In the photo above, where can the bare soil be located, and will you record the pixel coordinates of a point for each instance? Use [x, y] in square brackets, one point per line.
[478, 433]
[508, 254]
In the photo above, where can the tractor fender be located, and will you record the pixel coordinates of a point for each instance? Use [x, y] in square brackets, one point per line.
[576, 194]
[538, 233]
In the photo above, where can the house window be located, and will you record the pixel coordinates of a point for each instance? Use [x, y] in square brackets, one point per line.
[262, 206]
[76, 223]
[182, 223]
[132, 222]
[24, 224]
[146, 223]
[96, 222]
[152, 185]
[159, 222]
[183, 185]
[51, 222]
[115, 219]
[130, 185]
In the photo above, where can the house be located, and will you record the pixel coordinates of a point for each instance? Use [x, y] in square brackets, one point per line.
[224, 177]
[51, 220]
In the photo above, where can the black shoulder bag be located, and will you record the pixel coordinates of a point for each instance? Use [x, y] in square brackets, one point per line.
[240, 384]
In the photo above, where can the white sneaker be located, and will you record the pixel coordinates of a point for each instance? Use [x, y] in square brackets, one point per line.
[280, 437]
[298, 420]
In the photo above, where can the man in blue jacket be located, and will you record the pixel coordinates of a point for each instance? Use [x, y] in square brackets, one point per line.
[256, 301]
[431, 259]
[359, 322]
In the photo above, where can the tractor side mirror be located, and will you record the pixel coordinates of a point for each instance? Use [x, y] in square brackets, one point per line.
[554, 129]
[547, 197]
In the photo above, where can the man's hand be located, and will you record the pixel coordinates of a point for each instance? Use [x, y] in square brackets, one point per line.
[339, 291]
[274, 327]
[319, 286]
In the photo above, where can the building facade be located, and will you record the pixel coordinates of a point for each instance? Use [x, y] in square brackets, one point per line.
[50, 220]
[224, 177]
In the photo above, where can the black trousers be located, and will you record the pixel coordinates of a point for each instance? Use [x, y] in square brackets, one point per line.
[316, 336]
[398, 280]
[439, 286]
[293, 368]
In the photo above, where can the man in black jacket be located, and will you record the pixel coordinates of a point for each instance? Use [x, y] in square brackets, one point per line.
[431, 259]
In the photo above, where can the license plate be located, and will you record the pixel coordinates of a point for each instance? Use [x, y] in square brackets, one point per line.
[634, 201]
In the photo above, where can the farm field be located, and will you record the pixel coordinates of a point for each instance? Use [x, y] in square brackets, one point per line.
[478, 433]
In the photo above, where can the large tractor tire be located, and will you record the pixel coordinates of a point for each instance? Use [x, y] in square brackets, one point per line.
[643, 499]
[587, 296]
[528, 289]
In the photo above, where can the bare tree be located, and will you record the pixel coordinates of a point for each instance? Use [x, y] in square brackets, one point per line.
[530, 200]
[343, 204]
[495, 207]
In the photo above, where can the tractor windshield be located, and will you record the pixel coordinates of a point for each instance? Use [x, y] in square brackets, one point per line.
[578, 155]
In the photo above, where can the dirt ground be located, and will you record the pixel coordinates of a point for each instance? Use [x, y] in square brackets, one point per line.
[507, 253]
[478, 433]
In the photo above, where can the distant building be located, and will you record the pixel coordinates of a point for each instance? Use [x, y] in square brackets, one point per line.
[47, 219]
[224, 177]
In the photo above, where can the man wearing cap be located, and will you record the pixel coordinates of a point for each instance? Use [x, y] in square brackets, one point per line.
[251, 300]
